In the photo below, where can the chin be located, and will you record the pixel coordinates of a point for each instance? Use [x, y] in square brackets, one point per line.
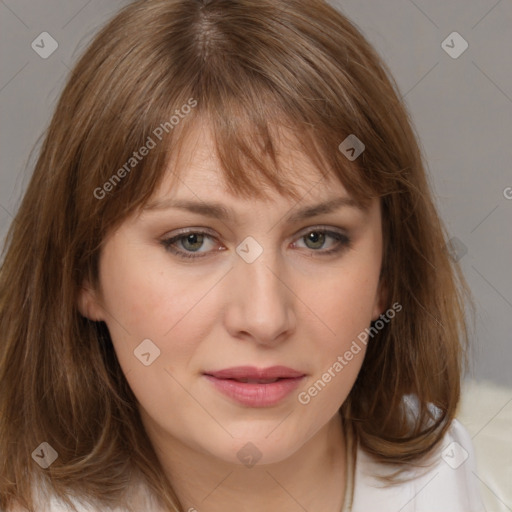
[252, 447]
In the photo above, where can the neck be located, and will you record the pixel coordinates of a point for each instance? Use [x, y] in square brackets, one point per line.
[312, 478]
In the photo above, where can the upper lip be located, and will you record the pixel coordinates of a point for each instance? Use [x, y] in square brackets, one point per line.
[251, 372]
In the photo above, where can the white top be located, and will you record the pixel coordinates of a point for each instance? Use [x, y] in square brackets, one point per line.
[448, 485]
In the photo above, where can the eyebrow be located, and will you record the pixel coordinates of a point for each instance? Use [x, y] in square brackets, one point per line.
[218, 211]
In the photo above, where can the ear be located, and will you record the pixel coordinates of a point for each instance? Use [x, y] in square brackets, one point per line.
[88, 304]
[381, 299]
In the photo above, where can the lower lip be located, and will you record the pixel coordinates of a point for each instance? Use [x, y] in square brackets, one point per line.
[253, 394]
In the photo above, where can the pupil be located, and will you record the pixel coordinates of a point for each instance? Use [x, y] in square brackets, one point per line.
[192, 239]
[316, 237]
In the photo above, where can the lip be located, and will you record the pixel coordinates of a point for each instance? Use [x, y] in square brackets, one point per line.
[251, 372]
[255, 394]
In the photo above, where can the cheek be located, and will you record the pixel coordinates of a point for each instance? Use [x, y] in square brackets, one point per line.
[142, 293]
[344, 299]
[344, 303]
[345, 308]
[147, 298]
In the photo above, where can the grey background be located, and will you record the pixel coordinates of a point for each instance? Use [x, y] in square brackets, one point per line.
[461, 108]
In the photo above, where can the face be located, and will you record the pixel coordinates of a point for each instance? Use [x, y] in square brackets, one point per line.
[186, 293]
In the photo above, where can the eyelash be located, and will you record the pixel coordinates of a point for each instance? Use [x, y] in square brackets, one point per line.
[343, 243]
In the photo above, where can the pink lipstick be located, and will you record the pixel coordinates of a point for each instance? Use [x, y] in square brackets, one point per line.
[255, 387]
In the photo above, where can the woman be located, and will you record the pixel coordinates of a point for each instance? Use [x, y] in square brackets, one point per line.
[227, 286]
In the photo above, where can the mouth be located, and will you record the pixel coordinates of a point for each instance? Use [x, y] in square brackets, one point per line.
[255, 388]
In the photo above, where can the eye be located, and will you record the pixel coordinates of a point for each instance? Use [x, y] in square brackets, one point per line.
[189, 244]
[315, 239]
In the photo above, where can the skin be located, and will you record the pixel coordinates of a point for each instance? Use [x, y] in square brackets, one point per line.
[291, 306]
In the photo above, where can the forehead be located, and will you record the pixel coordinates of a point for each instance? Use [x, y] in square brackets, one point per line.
[194, 167]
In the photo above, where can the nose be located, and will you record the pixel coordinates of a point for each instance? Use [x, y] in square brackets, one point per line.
[261, 303]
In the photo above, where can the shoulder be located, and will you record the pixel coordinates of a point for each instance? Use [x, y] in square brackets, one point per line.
[447, 483]
[45, 500]
[138, 497]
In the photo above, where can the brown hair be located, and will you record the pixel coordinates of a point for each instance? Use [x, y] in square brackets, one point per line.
[247, 67]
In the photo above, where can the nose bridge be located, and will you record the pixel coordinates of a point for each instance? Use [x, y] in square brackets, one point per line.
[260, 304]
